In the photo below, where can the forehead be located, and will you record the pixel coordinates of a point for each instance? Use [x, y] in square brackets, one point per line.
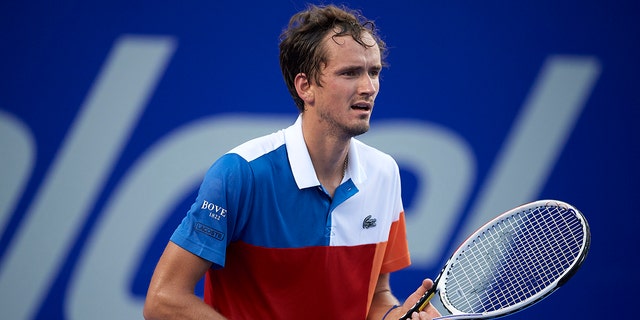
[344, 49]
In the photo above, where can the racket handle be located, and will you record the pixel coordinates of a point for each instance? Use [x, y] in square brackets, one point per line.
[421, 304]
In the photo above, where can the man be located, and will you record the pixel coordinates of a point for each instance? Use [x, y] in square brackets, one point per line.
[306, 222]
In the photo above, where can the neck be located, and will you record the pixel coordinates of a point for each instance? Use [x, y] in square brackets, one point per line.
[329, 157]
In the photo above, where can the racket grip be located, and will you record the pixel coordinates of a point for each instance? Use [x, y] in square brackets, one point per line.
[421, 304]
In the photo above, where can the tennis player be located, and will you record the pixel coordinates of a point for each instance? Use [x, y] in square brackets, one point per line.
[307, 222]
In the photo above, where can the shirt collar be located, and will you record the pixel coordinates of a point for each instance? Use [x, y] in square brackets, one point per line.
[300, 160]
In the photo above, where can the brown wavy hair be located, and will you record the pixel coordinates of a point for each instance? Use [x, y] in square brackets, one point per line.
[301, 49]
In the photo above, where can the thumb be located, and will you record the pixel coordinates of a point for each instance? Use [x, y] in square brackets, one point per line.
[411, 301]
[416, 295]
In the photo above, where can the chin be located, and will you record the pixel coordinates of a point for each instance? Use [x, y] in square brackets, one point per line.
[359, 129]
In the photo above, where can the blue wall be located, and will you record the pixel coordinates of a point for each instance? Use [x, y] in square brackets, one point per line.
[110, 111]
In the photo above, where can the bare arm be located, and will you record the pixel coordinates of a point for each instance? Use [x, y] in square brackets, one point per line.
[383, 300]
[171, 291]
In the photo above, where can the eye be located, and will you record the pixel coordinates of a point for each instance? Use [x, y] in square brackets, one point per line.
[350, 73]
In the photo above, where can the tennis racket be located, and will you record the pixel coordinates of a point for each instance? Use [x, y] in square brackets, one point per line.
[512, 262]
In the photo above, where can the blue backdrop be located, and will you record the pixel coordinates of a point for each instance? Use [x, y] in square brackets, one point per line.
[111, 111]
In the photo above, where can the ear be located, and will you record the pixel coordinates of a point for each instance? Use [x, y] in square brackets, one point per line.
[303, 88]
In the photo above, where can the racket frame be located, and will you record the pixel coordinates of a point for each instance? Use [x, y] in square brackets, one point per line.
[439, 288]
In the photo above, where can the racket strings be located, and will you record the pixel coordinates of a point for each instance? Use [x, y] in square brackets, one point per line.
[514, 259]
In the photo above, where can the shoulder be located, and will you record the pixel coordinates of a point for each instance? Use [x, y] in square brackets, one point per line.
[260, 146]
[237, 162]
[243, 162]
[373, 165]
[372, 156]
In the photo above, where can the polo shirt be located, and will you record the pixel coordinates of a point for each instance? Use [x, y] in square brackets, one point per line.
[280, 246]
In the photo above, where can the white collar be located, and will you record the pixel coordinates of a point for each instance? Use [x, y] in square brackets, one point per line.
[300, 160]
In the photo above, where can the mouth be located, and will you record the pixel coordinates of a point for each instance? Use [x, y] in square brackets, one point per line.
[362, 106]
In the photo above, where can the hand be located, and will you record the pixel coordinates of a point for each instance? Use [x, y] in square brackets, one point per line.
[429, 311]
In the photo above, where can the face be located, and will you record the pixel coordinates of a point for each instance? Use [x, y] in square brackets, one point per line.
[350, 83]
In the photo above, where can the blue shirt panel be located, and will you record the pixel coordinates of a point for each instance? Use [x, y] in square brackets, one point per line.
[257, 202]
[212, 220]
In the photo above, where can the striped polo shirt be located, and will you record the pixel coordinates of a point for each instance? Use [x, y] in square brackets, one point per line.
[281, 247]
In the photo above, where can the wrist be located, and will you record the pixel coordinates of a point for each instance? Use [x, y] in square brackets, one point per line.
[387, 313]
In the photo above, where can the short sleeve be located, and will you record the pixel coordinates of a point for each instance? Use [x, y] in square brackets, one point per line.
[216, 217]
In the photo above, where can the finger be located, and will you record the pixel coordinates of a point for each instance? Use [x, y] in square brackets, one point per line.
[427, 283]
[411, 301]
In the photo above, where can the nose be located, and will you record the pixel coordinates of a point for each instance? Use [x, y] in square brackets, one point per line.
[368, 85]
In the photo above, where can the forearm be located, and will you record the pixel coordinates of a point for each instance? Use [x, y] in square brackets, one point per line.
[166, 305]
[382, 302]
[170, 294]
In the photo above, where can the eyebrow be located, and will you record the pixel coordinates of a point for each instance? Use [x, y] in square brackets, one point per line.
[358, 68]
